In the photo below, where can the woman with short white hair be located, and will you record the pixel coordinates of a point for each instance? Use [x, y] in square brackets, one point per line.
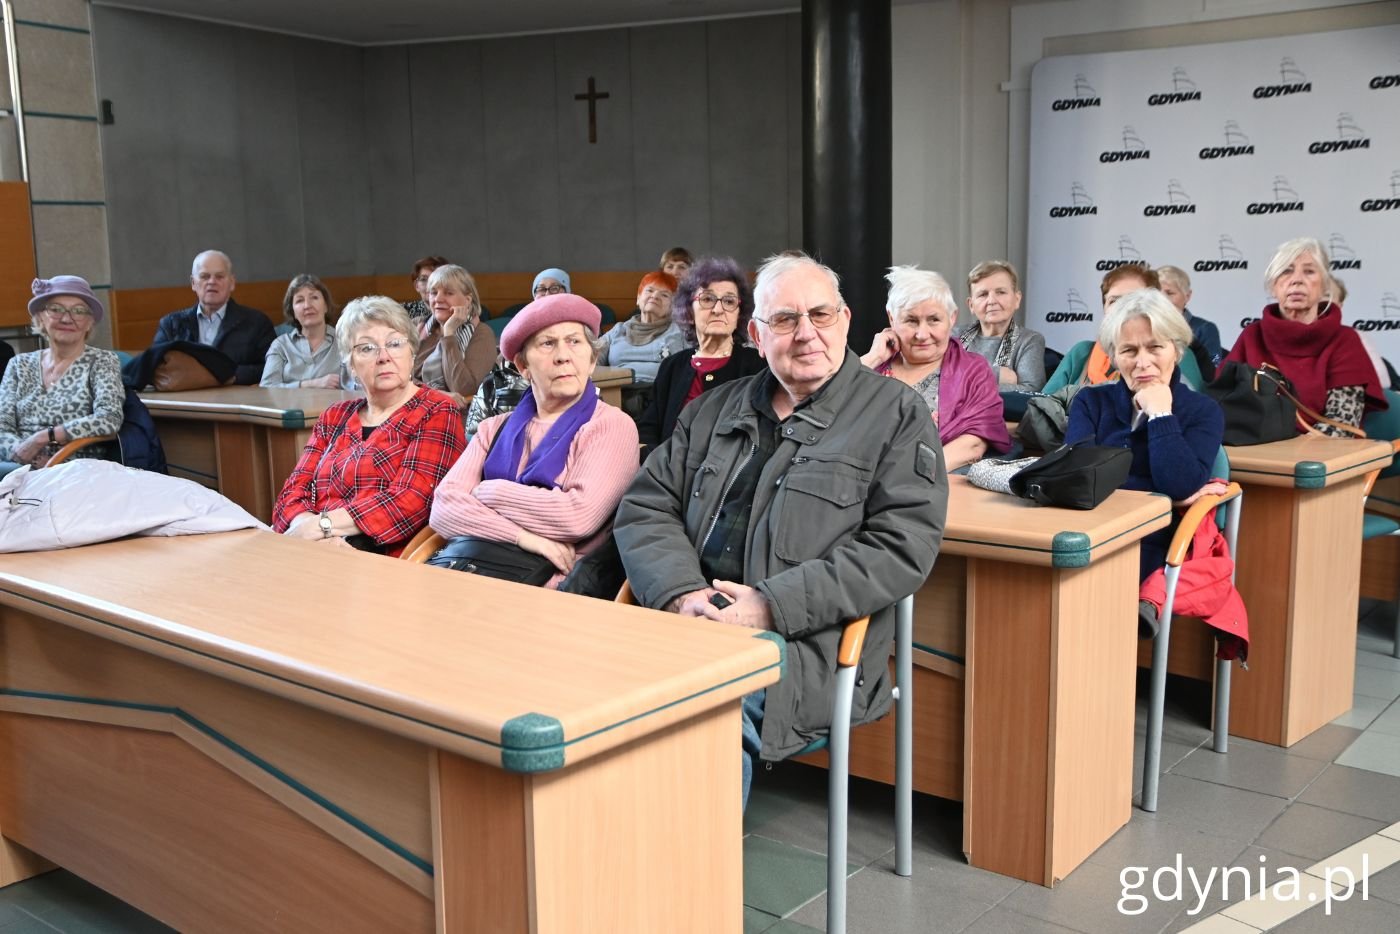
[1301, 333]
[919, 350]
[1173, 431]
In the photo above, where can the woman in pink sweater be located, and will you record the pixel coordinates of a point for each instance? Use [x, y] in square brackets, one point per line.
[548, 475]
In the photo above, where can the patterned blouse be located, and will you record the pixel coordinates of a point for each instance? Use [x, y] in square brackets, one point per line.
[385, 480]
[86, 400]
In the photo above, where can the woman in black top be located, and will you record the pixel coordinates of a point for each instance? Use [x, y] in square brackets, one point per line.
[712, 307]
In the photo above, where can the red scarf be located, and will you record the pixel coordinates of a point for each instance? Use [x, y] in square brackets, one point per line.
[1315, 357]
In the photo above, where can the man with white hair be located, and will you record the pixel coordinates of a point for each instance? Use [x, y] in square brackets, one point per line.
[241, 333]
[793, 500]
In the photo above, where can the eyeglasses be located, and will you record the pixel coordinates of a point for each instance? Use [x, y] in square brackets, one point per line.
[75, 314]
[367, 351]
[421, 280]
[785, 322]
[544, 290]
[707, 300]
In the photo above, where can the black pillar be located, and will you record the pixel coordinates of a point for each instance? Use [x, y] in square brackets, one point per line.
[846, 143]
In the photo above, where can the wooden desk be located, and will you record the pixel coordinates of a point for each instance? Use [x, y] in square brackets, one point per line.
[1024, 677]
[1298, 571]
[610, 380]
[240, 440]
[245, 732]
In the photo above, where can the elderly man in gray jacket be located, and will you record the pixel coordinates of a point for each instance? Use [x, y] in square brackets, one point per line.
[793, 501]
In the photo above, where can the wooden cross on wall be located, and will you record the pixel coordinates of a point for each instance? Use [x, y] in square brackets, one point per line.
[593, 97]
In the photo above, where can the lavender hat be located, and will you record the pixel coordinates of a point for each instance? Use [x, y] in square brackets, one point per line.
[45, 289]
[547, 312]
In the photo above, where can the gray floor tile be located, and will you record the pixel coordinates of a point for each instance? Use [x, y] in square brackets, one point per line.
[1305, 830]
[755, 921]
[25, 923]
[1217, 809]
[1192, 908]
[1324, 743]
[1377, 682]
[1373, 750]
[881, 902]
[1373, 659]
[1389, 720]
[1005, 921]
[1351, 915]
[1363, 711]
[1149, 839]
[1172, 753]
[1356, 791]
[778, 876]
[792, 927]
[9, 911]
[1386, 884]
[870, 823]
[1253, 766]
[1088, 901]
[941, 870]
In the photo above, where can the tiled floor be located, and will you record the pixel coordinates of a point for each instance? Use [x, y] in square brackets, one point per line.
[1257, 806]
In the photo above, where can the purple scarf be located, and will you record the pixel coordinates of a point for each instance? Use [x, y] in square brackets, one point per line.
[548, 459]
[969, 401]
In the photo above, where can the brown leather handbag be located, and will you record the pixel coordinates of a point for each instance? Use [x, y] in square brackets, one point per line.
[178, 371]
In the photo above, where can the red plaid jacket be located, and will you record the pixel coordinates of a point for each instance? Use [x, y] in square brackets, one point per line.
[386, 481]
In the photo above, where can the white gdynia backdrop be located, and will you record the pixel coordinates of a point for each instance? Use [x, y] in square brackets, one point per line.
[1208, 157]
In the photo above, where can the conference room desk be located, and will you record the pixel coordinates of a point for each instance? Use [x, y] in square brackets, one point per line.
[610, 380]
[240, 440]
[1024, 677]
[246, 732]
[1298, 570]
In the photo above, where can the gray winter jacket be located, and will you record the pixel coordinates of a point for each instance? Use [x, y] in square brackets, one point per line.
[847, 519]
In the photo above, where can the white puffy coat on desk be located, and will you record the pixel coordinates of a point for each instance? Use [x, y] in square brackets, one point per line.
[86, 501]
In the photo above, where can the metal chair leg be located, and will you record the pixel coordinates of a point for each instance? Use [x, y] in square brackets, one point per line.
[838, 784]
[1395, 646]
[904, 738]
[1222, 705]
[1157, 696]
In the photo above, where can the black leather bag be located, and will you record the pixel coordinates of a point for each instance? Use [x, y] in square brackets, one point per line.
[1074, 476]
[1256, 403]
[500, 560]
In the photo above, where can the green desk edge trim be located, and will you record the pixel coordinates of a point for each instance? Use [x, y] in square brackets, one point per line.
[781, 643]
[528, 762]
[293, 418]
[267, 767]
[1309, 475]
[1067, 549]
[940, 653]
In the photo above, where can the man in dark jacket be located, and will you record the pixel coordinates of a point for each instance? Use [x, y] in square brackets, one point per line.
[794, 501]
[243, 334]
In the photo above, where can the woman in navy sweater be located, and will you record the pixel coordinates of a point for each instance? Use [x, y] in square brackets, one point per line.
[1173, 431]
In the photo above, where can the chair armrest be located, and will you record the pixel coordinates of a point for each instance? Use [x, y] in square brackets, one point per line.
[625, 595]
[852, 642]
[422, 546]
[77, 444]
[1186, 531]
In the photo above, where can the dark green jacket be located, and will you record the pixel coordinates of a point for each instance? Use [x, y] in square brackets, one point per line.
[847, 519]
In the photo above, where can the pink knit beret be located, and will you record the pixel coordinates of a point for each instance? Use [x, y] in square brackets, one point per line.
[546, 312]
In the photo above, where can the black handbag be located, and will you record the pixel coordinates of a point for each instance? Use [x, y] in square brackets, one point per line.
[1257, 405]
[1074, 476]
[501, 560]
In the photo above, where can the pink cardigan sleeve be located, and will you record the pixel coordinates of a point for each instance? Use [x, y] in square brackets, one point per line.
[456, 510]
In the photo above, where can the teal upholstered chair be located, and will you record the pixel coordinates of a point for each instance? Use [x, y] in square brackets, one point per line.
[1229, 520]
[837, 744]
[1385, 426]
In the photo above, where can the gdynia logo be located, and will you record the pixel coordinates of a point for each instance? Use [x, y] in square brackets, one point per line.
[1382, 82]
[1291, 81]
[1076, 310]
[1230, 258]
[1183, 89]
[1385, 204]
[1128, 255]
[1343, 256]
[1236, 144]
[1349, 136]
[1084, 96]
[1390, 316]
[1178, 202]
[1133, 148]
[1079, 203]
[1285, 200]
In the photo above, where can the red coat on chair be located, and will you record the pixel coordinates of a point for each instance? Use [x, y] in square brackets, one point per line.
[1204, 589]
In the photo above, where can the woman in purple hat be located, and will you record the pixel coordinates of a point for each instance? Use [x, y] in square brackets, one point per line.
[547, 476]
[65, 391]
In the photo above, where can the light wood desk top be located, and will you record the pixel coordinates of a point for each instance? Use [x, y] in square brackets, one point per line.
[605, 377]
[279, 408]
[1307, 462]
[1007, 528]
[521, 678]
